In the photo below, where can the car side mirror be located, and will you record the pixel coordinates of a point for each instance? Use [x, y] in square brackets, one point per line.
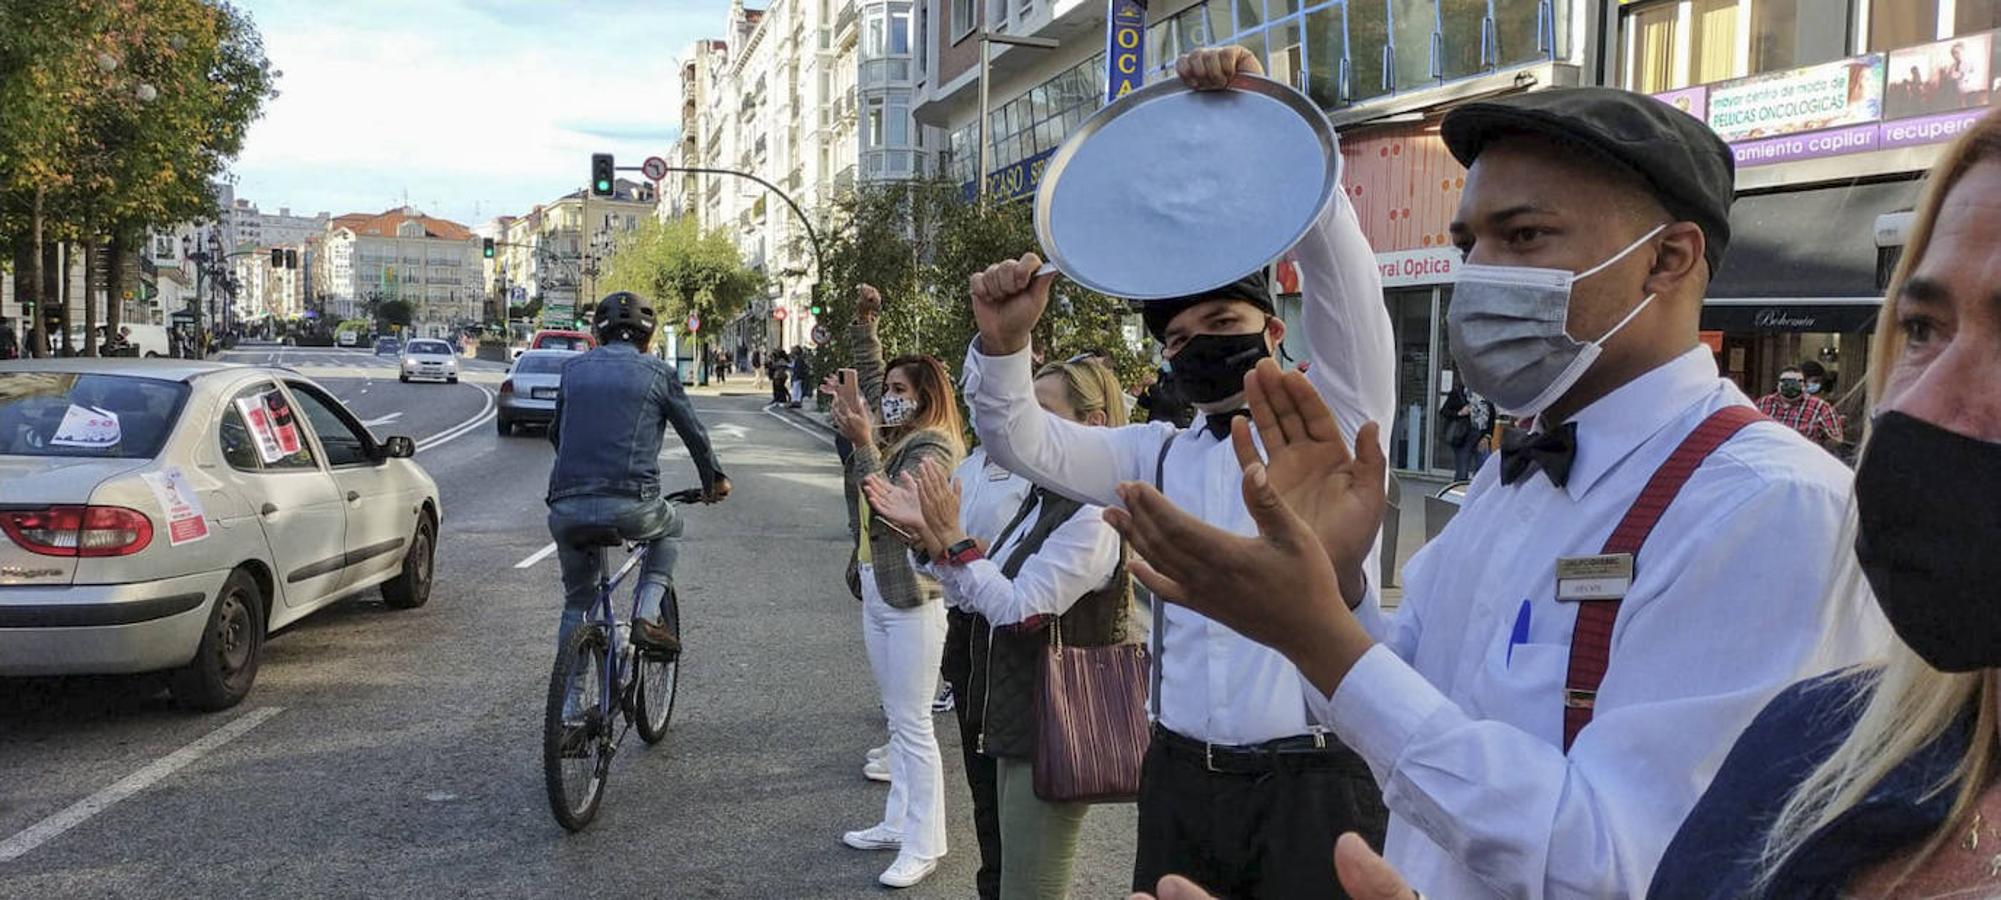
[399, 447]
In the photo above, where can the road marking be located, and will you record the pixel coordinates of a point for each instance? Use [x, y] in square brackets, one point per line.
[536, 557]
[788, 420]
[381, 420]
[77, 813]
[462, 429]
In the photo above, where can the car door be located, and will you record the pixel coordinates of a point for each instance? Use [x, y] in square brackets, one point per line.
[381, 513]
[284, 483]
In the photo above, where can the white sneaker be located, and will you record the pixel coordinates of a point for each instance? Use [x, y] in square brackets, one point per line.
[876, 770]
[907, 871]
[877, 837]
[875, 753]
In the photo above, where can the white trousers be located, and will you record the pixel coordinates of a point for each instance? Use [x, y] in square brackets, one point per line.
[904, 649]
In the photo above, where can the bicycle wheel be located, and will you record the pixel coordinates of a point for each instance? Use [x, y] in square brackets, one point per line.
[575, 775]
[660, 678]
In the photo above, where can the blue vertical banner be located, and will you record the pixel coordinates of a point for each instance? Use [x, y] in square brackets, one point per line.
[1125, 47]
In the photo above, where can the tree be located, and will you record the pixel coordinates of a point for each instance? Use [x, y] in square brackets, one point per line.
[921, 243]
[393, 312]
[683, 271]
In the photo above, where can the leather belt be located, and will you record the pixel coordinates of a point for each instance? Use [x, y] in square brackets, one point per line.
[1317, 751]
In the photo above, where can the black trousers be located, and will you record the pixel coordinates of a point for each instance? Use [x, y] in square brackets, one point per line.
[1268, 835]
[963, 632]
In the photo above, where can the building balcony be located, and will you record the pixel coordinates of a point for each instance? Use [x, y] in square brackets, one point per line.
[844, 20]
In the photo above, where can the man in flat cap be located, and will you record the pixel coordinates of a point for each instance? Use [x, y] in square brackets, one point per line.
[1628, 581]
[1239, 787]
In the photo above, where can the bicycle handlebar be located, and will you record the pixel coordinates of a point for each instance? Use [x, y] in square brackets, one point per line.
[691, 495]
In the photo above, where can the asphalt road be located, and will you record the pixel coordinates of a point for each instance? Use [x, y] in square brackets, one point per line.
[397, 753]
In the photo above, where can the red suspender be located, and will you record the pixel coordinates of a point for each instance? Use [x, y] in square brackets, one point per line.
[1591, 640]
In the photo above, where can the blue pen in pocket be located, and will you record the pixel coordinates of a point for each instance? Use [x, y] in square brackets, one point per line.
[1521, 633]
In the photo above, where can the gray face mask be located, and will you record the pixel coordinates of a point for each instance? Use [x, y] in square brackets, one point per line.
[1507, 330]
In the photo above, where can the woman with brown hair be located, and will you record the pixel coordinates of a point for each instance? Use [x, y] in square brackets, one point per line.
[903, 622]
[1880, 780]
[1056, 572]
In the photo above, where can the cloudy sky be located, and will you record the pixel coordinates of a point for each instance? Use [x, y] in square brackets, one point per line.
[470, 108]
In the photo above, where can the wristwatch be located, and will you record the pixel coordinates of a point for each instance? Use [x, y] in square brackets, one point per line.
[963, 552]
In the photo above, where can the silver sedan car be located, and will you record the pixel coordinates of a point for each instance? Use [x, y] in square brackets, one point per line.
[429, 359]
[167, 515]
[528, 394]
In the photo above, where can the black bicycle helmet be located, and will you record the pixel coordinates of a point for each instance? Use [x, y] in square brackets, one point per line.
[623, 315]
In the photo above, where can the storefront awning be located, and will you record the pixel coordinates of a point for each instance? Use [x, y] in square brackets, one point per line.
[1796, 246]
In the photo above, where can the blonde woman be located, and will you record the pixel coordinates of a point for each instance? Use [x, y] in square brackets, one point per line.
[1057, 563]
[903, 622]
[1880, 780]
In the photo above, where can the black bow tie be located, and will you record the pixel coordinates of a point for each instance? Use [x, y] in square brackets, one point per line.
[1218, 424]
[1552, 452]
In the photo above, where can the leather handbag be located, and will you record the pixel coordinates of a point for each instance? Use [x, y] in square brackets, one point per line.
[1090, 722]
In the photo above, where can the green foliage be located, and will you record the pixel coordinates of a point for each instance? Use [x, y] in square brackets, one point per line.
[920, 243]
[393, 312]
[683, 271]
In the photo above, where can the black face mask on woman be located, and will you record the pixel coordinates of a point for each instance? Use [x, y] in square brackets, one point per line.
[1211, 367]
[1929, 503]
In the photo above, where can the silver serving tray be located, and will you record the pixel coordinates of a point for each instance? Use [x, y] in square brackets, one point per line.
[1171, 191]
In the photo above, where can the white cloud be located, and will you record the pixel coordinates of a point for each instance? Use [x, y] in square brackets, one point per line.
[475, 108]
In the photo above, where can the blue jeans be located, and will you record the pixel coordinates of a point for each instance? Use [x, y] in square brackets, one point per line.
[653, 521]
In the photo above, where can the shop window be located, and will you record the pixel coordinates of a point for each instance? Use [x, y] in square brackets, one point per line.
[1524, 31]
[1327, 51]
[1787, 34]
[1895, 25]
[1976, 15]
[1651, 63]
[1256, 44]
[1413, 23]
[1713, 41]
[1220, 24]
[1368, 40]
[1286, 62]
[1463, 42]
[1250, 14]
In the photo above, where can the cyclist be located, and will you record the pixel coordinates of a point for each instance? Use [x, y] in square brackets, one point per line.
[613, 409]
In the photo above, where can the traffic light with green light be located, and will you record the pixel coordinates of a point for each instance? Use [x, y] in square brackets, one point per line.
[486, 247]
[602, 174]
[814, 310]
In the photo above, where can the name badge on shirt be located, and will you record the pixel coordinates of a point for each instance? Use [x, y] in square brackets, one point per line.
[996, 473]
[1605, 577]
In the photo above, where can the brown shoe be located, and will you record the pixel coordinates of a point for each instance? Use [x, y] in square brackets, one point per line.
[653, 636]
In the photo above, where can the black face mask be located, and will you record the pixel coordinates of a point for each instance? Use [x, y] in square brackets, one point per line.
[1211, 367]
[1929, 503]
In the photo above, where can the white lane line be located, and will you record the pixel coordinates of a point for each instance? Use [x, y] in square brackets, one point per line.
[787, 420]
[77, 813]
[381, 420]
[462, 429]
[536, 557]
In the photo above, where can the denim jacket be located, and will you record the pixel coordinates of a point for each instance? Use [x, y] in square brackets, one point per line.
[1715, 854]
[613, 410]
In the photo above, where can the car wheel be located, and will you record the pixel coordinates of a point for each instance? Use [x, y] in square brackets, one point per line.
[232, 643]
[452, 380]
[403, 378]
[412, 586]
[504, 426]
[151, 355]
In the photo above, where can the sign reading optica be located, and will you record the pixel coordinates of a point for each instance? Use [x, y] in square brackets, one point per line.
[1125, 47]
[1830, 95]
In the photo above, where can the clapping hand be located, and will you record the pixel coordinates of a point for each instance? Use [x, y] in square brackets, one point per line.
[850, 413]
[898, 502]
[938, 493]
[1361, 872]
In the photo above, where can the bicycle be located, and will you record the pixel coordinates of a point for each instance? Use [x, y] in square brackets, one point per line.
[620, 691]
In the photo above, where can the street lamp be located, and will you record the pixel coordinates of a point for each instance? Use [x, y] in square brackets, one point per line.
[986, 65]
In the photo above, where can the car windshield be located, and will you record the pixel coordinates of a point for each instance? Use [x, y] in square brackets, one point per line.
[429, 347]
[562, 342]
[385, 342]
[72, 414]
[541, 363]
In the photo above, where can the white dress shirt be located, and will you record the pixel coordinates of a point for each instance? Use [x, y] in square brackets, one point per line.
[1078, 557]
[1463, 727]
[1216, 685]
[989, 496]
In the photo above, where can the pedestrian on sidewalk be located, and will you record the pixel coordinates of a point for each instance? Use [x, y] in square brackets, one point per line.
[1879, 780]
[1800, 411]
[1523, 752]
[1233, 752]
[903, 620]
[1055, 573]
[802, 375]
[781, 378]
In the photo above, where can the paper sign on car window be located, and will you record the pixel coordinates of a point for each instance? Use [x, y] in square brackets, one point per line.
[283, 426]
[258, 420]
[183, 508]
[87, 426]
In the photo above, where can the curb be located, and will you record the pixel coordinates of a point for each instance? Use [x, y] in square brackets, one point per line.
[803, 417]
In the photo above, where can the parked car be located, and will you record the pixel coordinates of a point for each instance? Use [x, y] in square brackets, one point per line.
[562, 340]
[429, 358]
[388, 346]
[167, 515]
[347, 338]
[528, 393]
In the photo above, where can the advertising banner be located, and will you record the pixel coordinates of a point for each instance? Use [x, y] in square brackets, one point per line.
[1125, 47]
[1831, 95]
